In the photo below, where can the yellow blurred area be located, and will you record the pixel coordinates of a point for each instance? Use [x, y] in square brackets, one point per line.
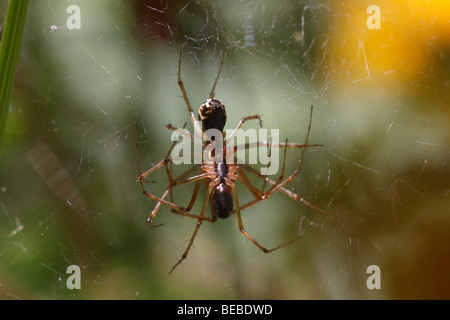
[413, 39]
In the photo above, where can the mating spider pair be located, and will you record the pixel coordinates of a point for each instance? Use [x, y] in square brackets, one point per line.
[219, 176]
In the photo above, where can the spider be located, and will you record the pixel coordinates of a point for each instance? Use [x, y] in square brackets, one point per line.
[219, 176]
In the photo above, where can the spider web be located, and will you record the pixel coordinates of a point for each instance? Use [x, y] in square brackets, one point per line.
[68, 192]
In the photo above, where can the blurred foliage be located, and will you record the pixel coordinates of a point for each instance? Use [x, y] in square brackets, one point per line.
[68, 190]
[9, 53]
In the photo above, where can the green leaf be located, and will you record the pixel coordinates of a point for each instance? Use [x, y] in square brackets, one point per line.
[9, 53]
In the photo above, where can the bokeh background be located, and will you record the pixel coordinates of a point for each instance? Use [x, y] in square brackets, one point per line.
[381, 109]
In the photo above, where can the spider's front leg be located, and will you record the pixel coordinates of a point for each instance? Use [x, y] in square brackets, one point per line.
[241, 122]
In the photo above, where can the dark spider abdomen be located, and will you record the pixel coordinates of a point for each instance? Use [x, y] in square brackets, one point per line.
[222, 201]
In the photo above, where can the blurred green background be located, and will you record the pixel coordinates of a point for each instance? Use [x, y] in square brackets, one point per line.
[381, 109]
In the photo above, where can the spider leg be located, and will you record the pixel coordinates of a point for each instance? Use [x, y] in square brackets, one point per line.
[270, 161]
[212, 93]
[242, 177]
[241, 225]
[168, 190]
[180, 180]
[241, 122]
[213, 211]
[144, 175]
[184, 132]
[185, 211]
[186, 100]
[279, 184]
[156, 209]
[199, 221]
[164, 161]
[297, 171]
[263, 143]
[289, 193]
[187, 173]
[141, 177]
[270, 191]
[231, 150]
[258, 194]
[261, 194]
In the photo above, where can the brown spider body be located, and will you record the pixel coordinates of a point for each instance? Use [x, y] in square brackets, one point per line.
[219, 176]
[213, 115]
